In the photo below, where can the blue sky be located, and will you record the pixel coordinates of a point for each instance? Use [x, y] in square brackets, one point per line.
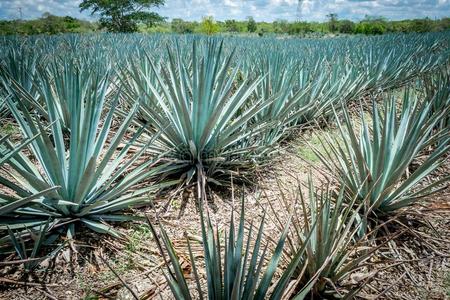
[267, 10]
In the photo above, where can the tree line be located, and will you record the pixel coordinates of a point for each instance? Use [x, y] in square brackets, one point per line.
[369, 25]
[50, 24]
[47, 24]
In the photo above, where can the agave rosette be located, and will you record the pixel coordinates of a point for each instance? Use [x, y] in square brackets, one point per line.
[373, 161]
[205, 116]
[90, 177]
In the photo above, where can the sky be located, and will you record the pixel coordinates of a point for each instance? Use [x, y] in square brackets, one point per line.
[261, 10]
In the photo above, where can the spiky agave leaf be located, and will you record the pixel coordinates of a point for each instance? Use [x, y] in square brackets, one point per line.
[289, 100]
[20, 64]
[3, 107]
[437, 91]
[241, 273]
[206, 129]
[327, 225]
[374, 161]
[32, 259]
[93, 169]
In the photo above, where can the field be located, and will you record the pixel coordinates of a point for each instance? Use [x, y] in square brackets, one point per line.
[167, 166]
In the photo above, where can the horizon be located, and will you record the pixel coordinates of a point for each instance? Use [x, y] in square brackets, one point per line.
[260, 10]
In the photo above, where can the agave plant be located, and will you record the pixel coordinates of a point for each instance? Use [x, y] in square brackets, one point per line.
[437, 91]
[374, 162]
[88, 178]
[205, 115]
[30, 260]
[328, 227]
[20, 64]
[239, 273]
[8, 152]
[3, 108]
[279, 75]
[289, 100]
[17, 66]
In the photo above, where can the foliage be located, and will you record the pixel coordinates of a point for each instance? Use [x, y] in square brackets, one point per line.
[437, 91]
[181, 26]
[332, 22]
[239, 273]
[346, 26]
[205, 115]
[251, 25]
[298, 28]
[49, 24]
[421, 25]
[19, 64]
[290, 101]
[208, 26]
[90, 176]
[373, 163]
[99, 114]
[233, 26]
[370, 28]
[123, 16]
[8, 153]
[329, 234]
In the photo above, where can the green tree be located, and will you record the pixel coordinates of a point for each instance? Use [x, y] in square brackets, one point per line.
[299, 28]
[181, 26]
[281, 26]
[421, 25]
[443, 24]
[209, 26]
[123, 15]
[251, 25]
[346, 26]
[52, 24]
[332, 22]
[370, 28]
[374, 25]
[231, 26]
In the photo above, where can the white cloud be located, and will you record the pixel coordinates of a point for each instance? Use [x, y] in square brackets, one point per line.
[267, 10]
[232, 3]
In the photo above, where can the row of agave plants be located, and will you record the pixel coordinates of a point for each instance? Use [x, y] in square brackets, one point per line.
[335, 230]
[108, 121]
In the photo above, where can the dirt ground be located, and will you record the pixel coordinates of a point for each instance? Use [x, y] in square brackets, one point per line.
[413, 266]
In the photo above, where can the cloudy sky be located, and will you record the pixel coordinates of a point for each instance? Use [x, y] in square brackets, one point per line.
[268, 10]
